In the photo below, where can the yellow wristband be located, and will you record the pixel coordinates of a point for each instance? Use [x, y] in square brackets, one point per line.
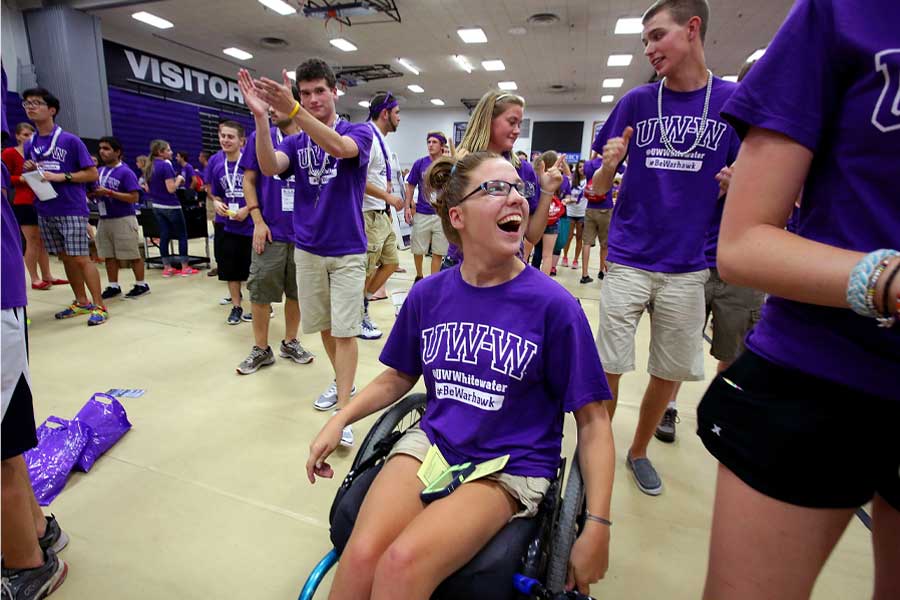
[295, 111]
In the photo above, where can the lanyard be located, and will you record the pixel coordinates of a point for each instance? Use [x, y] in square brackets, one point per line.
[107, 171]
[387, 160]
[230, 179]
[56, 131]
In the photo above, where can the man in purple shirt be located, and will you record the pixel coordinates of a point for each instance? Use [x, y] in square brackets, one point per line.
[676, 145]
[65, 162]
[329, 159]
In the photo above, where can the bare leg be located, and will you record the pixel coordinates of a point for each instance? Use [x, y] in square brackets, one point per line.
[885, 533]
[569, 244]
[547, 252]
[604, 250]
[380, 277]
[137, 267]
[90, 276]
[579, 228]
[291, 319]
[19, 539]
[613, 380]
[656, 398]
[346, 356]
[436, 263]
[764, 548]
[417, 259]
[112, 270]
[260, 323]
[234, 290]
[75, 275]
[585, 259]
[33, 249]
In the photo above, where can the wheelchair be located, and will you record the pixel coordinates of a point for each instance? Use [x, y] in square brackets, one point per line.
[536, 547]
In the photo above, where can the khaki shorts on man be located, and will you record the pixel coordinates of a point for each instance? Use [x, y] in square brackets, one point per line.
[330, 291]
[273, 274]
[596, 226]
[381, 241]
[119, 238]
[428, 232]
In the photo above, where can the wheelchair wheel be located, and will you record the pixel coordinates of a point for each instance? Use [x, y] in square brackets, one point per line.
[400, 417]
[570, 514]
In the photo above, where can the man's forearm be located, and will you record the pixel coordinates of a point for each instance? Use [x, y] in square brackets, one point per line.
[85, 175]
[251, 199]
[265, 151]
[324, 136]
[602, 180]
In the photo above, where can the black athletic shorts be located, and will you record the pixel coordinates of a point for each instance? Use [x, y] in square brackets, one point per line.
[801, 439]
[26, 214]
[233, 259]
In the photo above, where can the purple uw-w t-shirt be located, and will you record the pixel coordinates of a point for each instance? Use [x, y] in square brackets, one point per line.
[226, 181]
[69, 155]
[532, 195]
[275, 194]
[159, 193]
[829, 81]
[666, 202]
[187, 171]
[207, 177]
[500, 373]
[416, 178]
[118, 179]
[12, 268]
[328, 219]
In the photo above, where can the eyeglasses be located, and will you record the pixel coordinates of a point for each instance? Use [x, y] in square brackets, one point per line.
[497, 188]
[33, 103]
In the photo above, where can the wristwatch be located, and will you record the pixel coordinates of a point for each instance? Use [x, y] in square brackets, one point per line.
[68, 178]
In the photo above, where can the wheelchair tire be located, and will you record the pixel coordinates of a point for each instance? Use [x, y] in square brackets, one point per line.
[570, 514]
[413, 405]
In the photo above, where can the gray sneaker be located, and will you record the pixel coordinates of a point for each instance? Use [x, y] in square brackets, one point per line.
[328, 399]
[258, 358]
[54, 537]
[665, 431]
[33, 584]
[645, 476]
[297, 353]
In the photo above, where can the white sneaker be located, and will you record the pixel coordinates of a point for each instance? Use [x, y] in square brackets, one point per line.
[225, 301]
[369, 331]
[347, 436]
[328, 399]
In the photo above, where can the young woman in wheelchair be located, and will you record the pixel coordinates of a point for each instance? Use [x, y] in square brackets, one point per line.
[505, 351]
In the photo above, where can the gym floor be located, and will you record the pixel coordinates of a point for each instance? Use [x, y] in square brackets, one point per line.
[206, 497]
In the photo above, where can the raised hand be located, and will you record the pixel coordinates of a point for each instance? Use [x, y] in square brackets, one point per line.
[616, 148]
[277, 95]
[252, 96]
[550, 179]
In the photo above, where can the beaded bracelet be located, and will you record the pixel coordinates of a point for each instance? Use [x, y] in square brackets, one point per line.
[860, 286]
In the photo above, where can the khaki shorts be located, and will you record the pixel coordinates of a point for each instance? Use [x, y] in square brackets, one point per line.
[382, 243]
[527, 491]
[596, 225]
[427, 231]
[735, 310]
[119, 238]
[273, 274]
[331, 292]
[676, 323]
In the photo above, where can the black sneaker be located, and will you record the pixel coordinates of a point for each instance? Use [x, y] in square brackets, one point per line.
[258, 358]
[111, 292]
[137, 291]
[247, 316]
[586, 279]
[54, 537]
[33, 584]
[234, 318]
[665, 431]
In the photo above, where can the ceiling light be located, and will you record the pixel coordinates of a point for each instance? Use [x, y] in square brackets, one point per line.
[619, 60]
[472, 36]
[342, 44]
[493, 65]
[409, 66]
[463, 63]
[629, 25]
[282, 8]
[615, 82]
[237, 53]
[341, 92]
[732, 78]
[437, 101]
[418, 89]
[517, 31]
[145, 17]
[756, 55]
[364, 103]
[607, 99]
[507, 86]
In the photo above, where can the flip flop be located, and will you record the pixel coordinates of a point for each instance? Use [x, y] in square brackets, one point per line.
[374, 298]
[43, 285]
[57, 281]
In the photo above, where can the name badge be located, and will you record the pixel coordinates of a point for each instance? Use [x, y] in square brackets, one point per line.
[101, 207]
[287, 199]
[234, 194]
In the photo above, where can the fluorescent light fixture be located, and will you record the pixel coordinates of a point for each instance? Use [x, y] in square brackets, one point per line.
[493, 65]
[507, 86]
[342, 44]
[159, 23]
[409, 66]
[341, 92]
[282, 8]
[237, 53]
[615, 82]
[463, 63]
[437, 101]
[756, 55]
[730, 78]
[474, 35]
[364, 103]
[607, 99]
[418, 89]
[629, 25]
[619, 60]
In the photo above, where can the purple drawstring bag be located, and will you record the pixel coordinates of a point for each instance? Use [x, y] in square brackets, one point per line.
[108, 423]
[60, 446]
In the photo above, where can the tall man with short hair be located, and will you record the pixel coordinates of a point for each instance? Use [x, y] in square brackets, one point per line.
[64, 161]
[329, 159]
[676, 144]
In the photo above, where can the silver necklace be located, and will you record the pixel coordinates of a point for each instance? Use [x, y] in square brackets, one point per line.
[700, 130]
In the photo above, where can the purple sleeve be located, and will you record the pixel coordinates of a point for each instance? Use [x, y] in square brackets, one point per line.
[362, 134]
[618, 120]
[565, 188]
[579, 378]
[415, 174]
[129, 182]
[215, 186]
[288, 147]
[793, 89]
[526, 172]
[249, 162]
[85, 160]
[167, 171]
[401, 351]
